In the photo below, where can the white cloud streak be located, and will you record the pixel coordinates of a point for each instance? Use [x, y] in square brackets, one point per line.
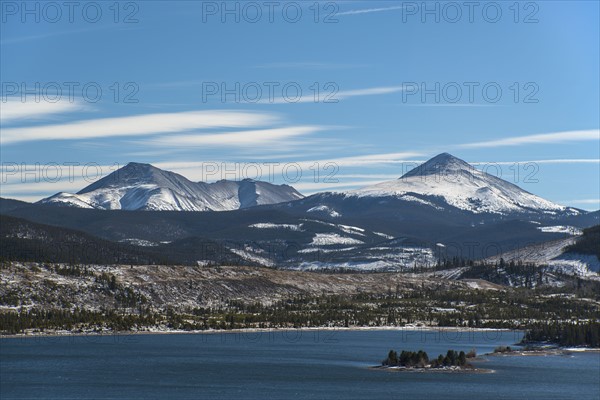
[361, 160]
[308, 187]
[543, 138]
[555, 161]
[13, 174]
[328, 96]
[370, 10]
[147, 124]
[247, 138]
[14, 109]
[585, 201]
[32, 182]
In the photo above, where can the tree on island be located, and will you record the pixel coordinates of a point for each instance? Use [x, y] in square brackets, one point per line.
[503, 349]
[451, 359]
[462, 358]
[392, 358]
[407, 359]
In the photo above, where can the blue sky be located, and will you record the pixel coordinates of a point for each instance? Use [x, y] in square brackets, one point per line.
[515, 89]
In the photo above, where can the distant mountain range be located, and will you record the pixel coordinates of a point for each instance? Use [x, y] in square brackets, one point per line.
[443, 182]
[145, 187]
[443, 208]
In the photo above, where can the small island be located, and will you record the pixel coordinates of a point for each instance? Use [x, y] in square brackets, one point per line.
[419, 360]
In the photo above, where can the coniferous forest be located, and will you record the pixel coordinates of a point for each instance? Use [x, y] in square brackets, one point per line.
[565, 334]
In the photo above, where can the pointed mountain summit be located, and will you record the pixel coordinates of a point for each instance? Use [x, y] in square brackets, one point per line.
[131, 173]
[443, 163]
[139, 186]
[135, 174]
[446, 180]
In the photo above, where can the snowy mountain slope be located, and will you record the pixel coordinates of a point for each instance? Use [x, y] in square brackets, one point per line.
[446, 200]
[145, 187]
[556, 256]
[274, 236]
[462, 186]
[539, 253]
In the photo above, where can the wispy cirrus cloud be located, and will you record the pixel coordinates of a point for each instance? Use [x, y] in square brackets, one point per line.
[551, 161]
[308, 188]
[34, 181]
[543, 138]
[370, 10]
[196, 170]
[376, 159]
[14, 109]
[45, 188]
[138, 125]
[245, 138]
[329, 178]
[586, 201]
[594, 202]
[333, 97]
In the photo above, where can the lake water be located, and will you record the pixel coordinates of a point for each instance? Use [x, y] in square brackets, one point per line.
[281, 365]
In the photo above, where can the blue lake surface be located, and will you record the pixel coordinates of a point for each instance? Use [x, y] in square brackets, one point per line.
[281, 365]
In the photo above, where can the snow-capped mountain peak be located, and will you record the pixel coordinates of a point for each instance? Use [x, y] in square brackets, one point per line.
[139, 186]
[450, 180]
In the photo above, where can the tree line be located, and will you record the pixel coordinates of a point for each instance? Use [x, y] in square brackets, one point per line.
[565, 334]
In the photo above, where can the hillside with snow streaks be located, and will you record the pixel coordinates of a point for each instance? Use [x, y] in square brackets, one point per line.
[561, 229]
[268, 225]
[324, 239]
[325, 211]
[555, 257]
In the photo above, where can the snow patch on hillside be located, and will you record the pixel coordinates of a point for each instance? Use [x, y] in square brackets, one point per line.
[326, 210]
[268, 225]
[325, 250]
[571, 230]
[353, 230]
[326, 239]
[408, 197]
[580, 264]
[138, 242]
[246, 255]
[553, 255]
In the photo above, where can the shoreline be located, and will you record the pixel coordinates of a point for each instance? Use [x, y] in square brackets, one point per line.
[472, 369]
[258, 330]
[545, 351]
[445, 370]
[549, 349]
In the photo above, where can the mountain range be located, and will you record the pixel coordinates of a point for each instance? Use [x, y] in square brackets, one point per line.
[440, 183]
[444, 208]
